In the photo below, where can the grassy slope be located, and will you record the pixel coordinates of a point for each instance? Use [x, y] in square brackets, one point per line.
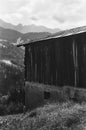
[54, 116]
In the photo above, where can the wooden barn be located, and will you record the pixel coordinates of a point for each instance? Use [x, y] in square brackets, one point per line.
[59, 59]
[56, 60]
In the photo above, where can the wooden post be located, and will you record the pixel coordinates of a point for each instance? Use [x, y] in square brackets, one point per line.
[35, 64]
[75, 59]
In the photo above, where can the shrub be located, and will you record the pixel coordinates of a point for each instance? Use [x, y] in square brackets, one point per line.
[14, 108]
[13, 102]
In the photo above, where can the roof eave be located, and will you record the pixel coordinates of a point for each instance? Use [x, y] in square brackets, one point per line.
[59, 35]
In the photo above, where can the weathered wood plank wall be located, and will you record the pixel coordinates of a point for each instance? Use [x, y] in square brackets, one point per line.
[81, 47]
[57, 61]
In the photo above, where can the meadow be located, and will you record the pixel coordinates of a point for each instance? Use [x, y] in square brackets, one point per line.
[52, 116]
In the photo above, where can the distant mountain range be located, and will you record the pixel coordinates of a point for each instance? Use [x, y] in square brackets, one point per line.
[12, 35]
[27, 28]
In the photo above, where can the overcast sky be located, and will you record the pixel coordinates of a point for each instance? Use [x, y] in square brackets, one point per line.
[51, 13]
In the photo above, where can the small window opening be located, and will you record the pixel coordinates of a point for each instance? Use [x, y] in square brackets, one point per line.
[46, 95]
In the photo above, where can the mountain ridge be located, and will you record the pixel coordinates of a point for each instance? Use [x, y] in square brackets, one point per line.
[27, 28]
[13, 35]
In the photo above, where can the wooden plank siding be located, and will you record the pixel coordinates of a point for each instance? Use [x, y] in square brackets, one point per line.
[50, 62]
[81, 47]
[58, 62]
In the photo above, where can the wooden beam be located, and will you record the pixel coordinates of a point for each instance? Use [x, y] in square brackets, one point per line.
[75, 59]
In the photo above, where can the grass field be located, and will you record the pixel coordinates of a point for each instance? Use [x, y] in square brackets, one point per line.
[52, 116]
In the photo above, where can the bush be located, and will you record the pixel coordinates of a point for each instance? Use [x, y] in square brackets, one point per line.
[14, 108]
[13, 102]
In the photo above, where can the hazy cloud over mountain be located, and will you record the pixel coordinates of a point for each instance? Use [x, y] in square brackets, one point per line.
[50, 13]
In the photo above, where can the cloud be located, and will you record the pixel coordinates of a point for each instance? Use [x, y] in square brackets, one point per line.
[51, 13]
[59, 19]
[60, 13]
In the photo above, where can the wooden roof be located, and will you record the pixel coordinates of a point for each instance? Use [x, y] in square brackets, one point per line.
[59, 34]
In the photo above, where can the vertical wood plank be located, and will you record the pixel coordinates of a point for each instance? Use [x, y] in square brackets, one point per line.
[75, 58]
